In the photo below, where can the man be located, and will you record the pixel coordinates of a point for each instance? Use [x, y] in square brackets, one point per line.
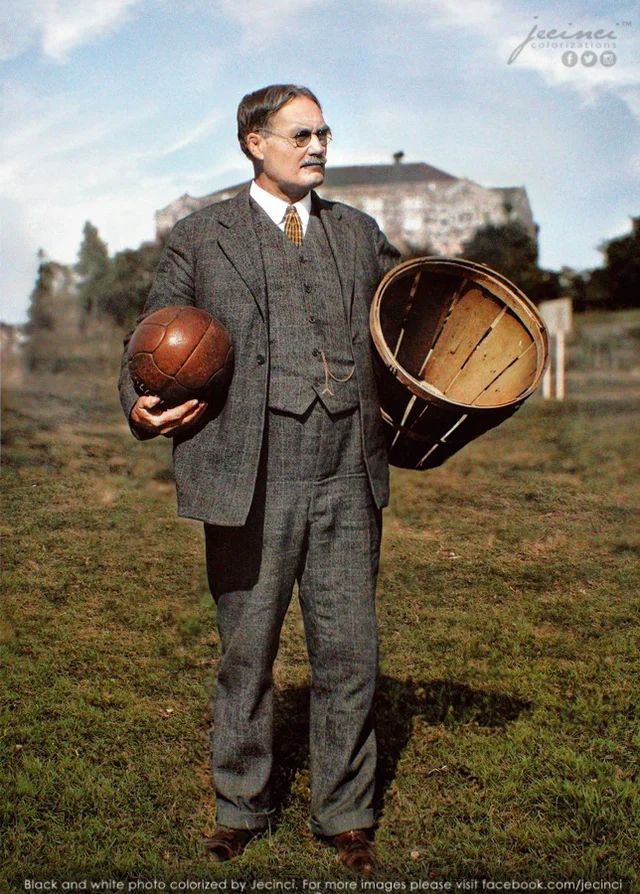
[291, 476]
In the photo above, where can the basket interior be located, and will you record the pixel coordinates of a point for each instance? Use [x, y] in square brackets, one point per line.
[459, 336]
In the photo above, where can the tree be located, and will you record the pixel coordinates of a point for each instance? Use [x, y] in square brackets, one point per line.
[41, 307]
[573, 285]
[93, 268]
[617, 284]
[124, 291]
[511, 250]
[53, 323]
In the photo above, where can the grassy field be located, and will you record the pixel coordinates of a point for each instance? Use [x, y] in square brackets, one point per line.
[508, 699]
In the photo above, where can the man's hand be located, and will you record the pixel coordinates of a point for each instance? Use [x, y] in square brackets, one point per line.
[146, 415]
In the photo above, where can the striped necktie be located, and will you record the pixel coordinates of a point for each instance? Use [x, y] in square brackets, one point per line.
[293, 226]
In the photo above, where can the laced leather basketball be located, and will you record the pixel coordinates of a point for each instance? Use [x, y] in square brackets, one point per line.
[179, 353]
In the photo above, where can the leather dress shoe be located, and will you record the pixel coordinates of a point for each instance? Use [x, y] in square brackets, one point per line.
[356, 851]
[227, 843]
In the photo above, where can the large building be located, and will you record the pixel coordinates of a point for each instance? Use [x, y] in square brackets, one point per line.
[419, 207]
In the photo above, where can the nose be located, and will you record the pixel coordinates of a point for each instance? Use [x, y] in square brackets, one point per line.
[315, 147]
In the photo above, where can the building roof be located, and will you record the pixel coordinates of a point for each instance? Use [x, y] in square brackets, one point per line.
[357, 175]
[367, 175]
[379, 175]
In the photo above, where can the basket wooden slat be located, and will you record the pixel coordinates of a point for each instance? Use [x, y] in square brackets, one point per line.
[508, 385]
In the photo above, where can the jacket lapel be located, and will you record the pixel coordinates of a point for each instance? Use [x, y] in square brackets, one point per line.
[239, 242]
[343, 246]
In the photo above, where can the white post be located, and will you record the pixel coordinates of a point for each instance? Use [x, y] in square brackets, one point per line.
[560, 365]
[546, 379]
[557, 315]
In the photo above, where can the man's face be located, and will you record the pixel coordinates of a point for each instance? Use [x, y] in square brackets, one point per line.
[284, 169]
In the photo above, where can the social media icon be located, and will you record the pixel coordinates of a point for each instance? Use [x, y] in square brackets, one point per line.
[608, 58]
[588, 58]
[569, 58]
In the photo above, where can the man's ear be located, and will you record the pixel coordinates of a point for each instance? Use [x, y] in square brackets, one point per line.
[254, 143]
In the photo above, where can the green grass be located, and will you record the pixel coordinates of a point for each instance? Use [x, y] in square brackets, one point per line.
[507, 709]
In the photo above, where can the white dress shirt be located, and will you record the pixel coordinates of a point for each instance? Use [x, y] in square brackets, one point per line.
[277, 208]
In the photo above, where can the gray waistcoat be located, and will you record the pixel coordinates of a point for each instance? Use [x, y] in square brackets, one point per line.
[309, 340]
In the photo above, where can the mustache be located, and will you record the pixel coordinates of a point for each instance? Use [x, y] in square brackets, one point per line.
[314, 161]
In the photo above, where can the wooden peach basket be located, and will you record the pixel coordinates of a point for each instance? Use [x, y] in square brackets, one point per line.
[460, 348]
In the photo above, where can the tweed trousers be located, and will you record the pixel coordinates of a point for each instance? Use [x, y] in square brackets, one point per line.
[313, 520]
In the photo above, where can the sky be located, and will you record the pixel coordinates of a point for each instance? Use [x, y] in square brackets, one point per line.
[111, 109]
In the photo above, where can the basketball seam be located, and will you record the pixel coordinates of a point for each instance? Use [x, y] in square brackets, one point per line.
[179, 309]
[186, 359]
[223, 368]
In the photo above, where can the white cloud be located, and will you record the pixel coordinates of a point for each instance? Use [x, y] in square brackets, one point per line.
[192, 136]
[451, 12]
[503, 27]
[618, 229]
[65, 161]
[18, 261]
[79, 156]
[622, 79]
[264, 20]
[51, 136]
[57, 26]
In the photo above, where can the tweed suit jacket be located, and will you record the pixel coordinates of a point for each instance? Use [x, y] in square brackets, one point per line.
[213, 260]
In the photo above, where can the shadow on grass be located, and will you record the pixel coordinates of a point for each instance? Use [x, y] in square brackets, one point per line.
[397, 703]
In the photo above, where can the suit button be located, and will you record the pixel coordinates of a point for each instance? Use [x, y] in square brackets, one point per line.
[354, 338]
[312, 319]
[307, 287]
[316, 352]
[261, 359]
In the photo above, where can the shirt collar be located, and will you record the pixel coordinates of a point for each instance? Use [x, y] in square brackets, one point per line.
[277, 208]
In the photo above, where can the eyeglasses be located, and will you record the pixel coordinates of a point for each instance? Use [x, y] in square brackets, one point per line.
[303, 137]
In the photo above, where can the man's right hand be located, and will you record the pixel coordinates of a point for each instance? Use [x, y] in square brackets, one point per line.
[147, 416]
